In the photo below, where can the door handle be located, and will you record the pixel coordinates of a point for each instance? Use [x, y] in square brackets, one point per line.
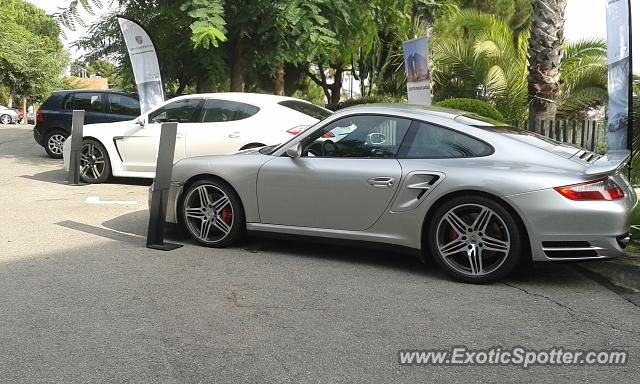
[381, 182]
[234, 135]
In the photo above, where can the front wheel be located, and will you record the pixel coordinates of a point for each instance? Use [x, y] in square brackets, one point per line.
[475, 239]
[212, 213]
[5, 119]
[94, 162]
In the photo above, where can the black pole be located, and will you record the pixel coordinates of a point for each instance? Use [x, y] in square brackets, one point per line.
[160, 189]
[77, 124]
[630, 113]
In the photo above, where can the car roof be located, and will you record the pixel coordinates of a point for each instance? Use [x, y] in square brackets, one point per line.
[413, 109]
[257, 99]
[114, 91]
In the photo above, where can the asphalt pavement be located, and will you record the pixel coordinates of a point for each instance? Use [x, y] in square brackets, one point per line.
[82, 300]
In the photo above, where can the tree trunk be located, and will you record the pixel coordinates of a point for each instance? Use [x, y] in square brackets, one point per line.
[336, 87]
[545, 56]
[238, 68]
[278, 84]
[12, 95]
[24, 111]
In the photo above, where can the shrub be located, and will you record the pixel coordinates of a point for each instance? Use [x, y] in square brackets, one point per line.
[479, 107]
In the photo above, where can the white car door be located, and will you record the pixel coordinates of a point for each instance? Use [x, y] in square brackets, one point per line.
[140, 145]
[226, 126]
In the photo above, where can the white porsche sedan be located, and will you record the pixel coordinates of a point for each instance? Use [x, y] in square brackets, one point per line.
[210, 124]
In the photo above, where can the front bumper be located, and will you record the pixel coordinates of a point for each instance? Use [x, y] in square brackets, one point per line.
[560, 229]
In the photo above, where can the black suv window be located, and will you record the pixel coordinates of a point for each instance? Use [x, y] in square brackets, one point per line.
[124, 105]
[217, 111]
[433, 142]
[89, 101]
[306, 108]
[180, 111]
[358, 136]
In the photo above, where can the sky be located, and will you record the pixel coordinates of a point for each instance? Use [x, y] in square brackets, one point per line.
[584, 19]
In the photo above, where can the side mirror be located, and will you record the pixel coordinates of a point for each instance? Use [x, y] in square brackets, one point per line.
[377, 138]
[141, 122]
[294, 151]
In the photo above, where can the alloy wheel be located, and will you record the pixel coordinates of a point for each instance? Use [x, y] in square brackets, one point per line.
[56, 143]
[208, 213]
[473, 239]
[5, 119]
[92, 162]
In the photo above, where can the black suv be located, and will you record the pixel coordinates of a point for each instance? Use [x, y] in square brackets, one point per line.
[53, 119]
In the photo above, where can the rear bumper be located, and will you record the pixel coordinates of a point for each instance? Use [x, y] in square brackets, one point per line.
[37, 136]
[560, 229]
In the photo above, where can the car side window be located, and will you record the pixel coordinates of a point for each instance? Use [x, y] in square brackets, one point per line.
[90, 102]
[179, 111]
[358, 136]
[124, 105]
[434, 142]
[218, 111]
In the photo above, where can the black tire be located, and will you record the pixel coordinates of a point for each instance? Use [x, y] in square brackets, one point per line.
[95, 166]
[53, 142]
[213, 226]
[5, 119]
[442, 238]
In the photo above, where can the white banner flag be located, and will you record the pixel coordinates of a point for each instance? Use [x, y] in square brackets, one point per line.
[144, 61]
[618, 54]
[416, 62]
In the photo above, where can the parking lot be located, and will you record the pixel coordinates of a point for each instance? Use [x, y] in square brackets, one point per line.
[84, 301]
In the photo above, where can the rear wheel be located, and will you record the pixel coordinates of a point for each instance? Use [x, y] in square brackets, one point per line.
[94, 162]
[54, 142]
[5, 119]
[475, 239]
[212, 213]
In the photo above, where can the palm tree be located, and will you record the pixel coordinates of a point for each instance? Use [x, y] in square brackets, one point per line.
[478, 57]
[583, 77]
[546, 45]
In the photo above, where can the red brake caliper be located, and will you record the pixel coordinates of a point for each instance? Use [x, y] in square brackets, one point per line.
[453, 235]
[227, 215]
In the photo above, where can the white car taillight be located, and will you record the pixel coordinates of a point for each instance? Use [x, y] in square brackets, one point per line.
[599, 189]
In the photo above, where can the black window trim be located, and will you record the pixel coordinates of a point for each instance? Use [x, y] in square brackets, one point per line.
[413, 131]
[196, 112]
[108, 98]
[200, 115]
[105, 101]
[395, 157]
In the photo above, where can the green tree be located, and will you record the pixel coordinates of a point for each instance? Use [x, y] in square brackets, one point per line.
[478, 59]
[545, 58]
[32, 58]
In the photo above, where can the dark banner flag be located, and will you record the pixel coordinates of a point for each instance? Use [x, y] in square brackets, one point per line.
[619, 60]
[144, 61]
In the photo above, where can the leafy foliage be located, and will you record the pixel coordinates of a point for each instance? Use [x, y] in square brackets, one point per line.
[32, 59]
[476, 106]
[209, 25]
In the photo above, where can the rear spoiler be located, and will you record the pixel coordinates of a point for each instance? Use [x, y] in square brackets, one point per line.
[610, 163]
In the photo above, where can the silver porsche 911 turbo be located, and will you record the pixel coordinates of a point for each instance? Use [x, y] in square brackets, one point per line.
[477, 196]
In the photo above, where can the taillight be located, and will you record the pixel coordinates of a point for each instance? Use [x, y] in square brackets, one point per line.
[297, 129]
[599, 189]
[39, 118]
